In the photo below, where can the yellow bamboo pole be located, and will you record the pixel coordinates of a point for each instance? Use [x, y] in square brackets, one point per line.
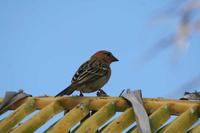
[182, 123]
[105, 126]
[40, 118]
[196, 129]
[162, 129]
[15, 117]
[159, 117]
[121, 123]
[70, 119]
[96, 120]
[177, 107]
[132, 129]
[1, 100]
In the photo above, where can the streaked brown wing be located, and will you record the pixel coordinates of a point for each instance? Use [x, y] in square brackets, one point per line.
[88, 72]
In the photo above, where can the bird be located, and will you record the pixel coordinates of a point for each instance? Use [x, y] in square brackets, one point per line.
[92, 75]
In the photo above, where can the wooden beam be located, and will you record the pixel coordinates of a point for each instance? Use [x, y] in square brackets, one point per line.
[40, 118]
[99, 118]
[9, 122]
[157, 118]
[177, 107]
[70, 119]
[183, 122]
[196, 129]
[121, 123]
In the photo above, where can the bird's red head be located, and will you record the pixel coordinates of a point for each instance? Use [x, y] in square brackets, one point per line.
[105, 56]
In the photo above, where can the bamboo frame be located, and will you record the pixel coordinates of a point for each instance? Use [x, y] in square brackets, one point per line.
[9, 122]
[160, 116]
[183, 122]
[196, 129]
[99, 118]
[177, 107]
[40, 118]
[70, 119]
[121, 123]
[160, 110]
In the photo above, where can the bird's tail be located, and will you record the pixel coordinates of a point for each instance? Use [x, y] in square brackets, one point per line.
[67, 91]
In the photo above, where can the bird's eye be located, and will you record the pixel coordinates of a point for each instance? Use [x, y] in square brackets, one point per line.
[109, 54]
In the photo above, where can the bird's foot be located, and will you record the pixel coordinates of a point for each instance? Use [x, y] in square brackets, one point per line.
[81, 94]
[66, 110]
[102, 93]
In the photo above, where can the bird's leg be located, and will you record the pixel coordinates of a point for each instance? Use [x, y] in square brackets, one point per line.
[100, 92]
[66, 111]
[81, 94]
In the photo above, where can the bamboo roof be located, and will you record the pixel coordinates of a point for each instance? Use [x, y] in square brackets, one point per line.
[159, 111]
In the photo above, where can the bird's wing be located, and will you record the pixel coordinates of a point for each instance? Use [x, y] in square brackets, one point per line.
[89, 71]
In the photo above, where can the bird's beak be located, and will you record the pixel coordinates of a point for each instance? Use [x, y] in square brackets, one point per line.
[114, 59]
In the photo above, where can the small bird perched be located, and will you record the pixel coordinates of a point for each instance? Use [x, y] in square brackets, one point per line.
[92, 75]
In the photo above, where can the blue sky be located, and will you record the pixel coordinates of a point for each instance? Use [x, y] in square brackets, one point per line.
[42, 44]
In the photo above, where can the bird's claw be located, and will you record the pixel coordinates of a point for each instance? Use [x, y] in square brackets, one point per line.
[81, 94]
[102, 93]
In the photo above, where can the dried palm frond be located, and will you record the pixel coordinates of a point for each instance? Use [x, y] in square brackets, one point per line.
[187, 26]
